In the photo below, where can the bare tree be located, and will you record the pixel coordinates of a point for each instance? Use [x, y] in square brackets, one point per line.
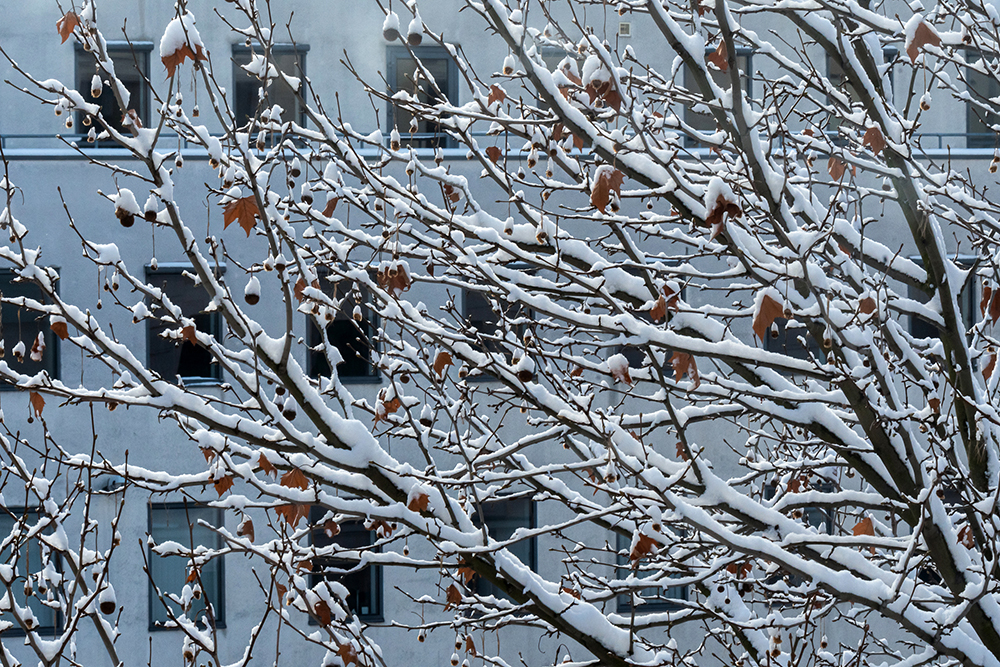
[719, 338]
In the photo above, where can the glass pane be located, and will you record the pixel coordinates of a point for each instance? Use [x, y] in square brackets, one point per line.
[21, 325]
[503, 518]
[180, 358]
[26, 557]
[364, 585]
[426, 134]
[131, 75]
[479, 314]
[353, 339]
[792, 338]
[979, 122]
[703, 121]
[170, 523]
[247, 98]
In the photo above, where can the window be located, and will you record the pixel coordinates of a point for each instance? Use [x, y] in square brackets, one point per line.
[651, 599]
[180, 358]
[503, 517]
[485, 317]
[179, 522]
[821, 518]
[791, 337]
[982, 87]
[637, 356]
[402, 75]
[131, 67]
[21, 329]
[249, 96]
[364, 584]
[699, 116]
[29, 561]
[351, 337]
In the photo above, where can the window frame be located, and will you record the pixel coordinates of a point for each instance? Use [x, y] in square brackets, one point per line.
[153, 601]
[15, 512]
[375, 574]
[216, 328]
[300, 51]
[623, 602]
[481, 586]
[371, 321]
[51, 339]
[395, 54]
[138, 53]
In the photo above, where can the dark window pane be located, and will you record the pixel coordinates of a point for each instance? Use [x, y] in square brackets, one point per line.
[702, 119]
[170, 358]
[982, 87]
[179, 524]
[480, 314]
[132, 68]
[503, 518]
[21, 328]
[27, 559]
[403, 76]
[792, 338]
[351, 337]
[364, 584]
[968, 303]
[653, 598]
[247, 94]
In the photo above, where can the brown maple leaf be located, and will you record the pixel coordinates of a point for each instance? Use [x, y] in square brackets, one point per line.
[66, 24]
[466, 573]
[965, 537]
[873, 139]
[645, 546]
[208, 453]
[419, 503]
[493, 153]
[837, 168]
[223, 484]
[291, 513]
[684, 364]
[441, 363]
[37, 402]
[470, 646]
[769, 311]
[331, 528]
[722, 208]
[189, 334]
[988, 371]
[659, 309]
[348, 654]
[985, 301]
[867, 305]
[322, 611]
[719, 57]
[864, 527]
[923, 36]
[935, 404]
[244, 210]
[496, 95]
[295, 479]
[740, 570]
[607, 182]
[172, 60]
[331, 206]
[453, 597]
[282, 590]
[265, 465]
[60, 329]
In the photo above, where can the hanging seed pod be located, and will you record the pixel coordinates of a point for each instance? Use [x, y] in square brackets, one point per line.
[390, 27]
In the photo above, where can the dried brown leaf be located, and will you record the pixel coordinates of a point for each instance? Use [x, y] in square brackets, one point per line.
[37, 402]
[719, 57]
[867, 305]
[266, 466]
[496, 95]
[645, 546]
[419, 503]
[172, 60]
[244, 210]
[60, 329]
[295, 479]
[292, 512]
[246, 529]
[441, 363]
[223, 484]
[322, 611]
[836, 168]
[769, 311]
[66, 24]
[453, 597]
[923, 36]
[873, 139]
[189, 334]
[493, 153]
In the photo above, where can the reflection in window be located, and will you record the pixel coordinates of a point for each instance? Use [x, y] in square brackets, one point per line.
[364, 584]
[403, 76]
[503, 517]
[248, 98]
[22, 328]
[132, 68]
[173, 522]
[180, 358]
[28, 560]
[352, 336]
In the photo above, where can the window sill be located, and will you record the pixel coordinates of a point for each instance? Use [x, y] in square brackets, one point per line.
[361, 379]
[161, 628]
